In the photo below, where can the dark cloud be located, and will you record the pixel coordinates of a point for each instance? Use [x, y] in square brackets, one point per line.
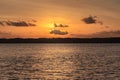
[90, 20]
[17, 23]
[60, 25]
[58, 32]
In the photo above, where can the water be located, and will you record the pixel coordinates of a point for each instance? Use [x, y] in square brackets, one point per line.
[59, 61]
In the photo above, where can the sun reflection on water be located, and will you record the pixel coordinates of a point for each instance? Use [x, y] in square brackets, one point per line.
[59, 62]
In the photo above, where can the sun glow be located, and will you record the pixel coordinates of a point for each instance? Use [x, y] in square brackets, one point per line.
[50, 25]
[49, 21]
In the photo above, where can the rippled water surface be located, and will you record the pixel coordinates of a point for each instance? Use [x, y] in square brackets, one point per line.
[59, 61]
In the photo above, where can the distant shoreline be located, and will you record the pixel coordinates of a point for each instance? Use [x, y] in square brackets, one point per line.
[61, 40]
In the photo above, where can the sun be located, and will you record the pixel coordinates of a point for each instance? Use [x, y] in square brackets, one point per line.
[47, 25]
[48, 22]
[50, 25]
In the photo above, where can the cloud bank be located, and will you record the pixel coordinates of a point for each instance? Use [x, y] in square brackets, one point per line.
[102, 34]
[5, 34]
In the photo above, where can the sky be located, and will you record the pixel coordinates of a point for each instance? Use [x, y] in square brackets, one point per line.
[59, 18]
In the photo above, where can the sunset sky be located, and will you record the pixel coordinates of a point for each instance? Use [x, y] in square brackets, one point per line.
[59, 18]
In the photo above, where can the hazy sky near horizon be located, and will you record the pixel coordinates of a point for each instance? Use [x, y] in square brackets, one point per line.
[59, 18]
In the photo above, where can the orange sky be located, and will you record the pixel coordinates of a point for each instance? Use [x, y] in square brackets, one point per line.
[17, 17]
